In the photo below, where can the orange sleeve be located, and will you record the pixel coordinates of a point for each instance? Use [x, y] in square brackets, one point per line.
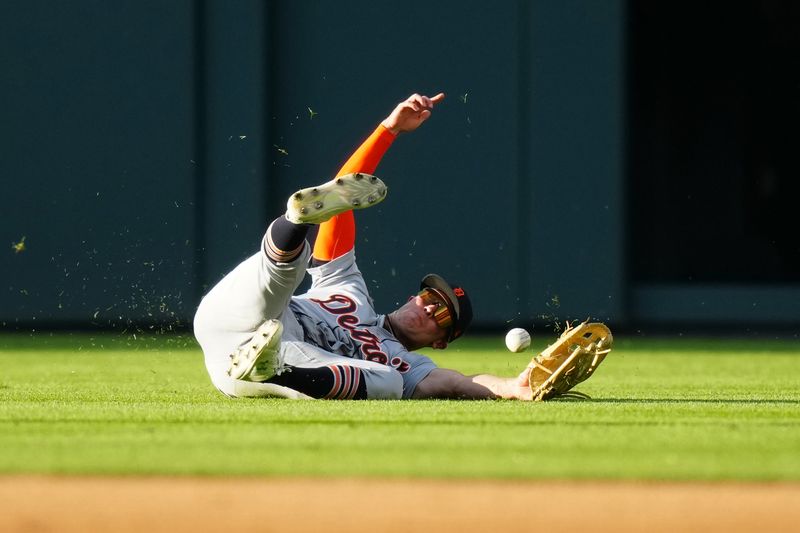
[369, 154]
[337, 236]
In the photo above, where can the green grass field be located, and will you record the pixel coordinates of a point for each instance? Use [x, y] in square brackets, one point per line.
[662, 409]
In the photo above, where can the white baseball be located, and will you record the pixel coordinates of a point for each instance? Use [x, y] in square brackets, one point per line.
[518, 340]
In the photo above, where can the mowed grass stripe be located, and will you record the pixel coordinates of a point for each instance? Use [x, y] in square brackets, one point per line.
[680, 411]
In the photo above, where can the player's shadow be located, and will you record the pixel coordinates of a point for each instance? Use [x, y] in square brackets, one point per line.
[731, 401]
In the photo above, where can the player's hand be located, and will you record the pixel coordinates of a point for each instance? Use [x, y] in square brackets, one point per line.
[520, 386]
[411, 113]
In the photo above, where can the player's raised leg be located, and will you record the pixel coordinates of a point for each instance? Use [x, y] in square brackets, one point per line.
[284, 246]
[239, 323]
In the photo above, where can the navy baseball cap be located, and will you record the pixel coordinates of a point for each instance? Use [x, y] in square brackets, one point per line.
[458, 303]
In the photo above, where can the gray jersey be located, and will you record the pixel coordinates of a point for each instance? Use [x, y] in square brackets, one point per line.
[338, 316]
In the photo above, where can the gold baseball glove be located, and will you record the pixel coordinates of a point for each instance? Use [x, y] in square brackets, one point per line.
[570, 360]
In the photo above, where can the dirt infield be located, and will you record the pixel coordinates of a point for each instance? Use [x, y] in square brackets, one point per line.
[67, 504]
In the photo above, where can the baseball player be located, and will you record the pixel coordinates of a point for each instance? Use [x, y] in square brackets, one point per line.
[260, 339]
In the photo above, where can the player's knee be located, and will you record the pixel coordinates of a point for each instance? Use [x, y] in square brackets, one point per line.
[384, 384]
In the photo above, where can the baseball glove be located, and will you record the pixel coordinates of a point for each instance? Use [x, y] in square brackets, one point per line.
[570, 360]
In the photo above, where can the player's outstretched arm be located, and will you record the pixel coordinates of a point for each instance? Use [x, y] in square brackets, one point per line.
[444, 383]
[407, 116]
[411, 113]
[337, 236]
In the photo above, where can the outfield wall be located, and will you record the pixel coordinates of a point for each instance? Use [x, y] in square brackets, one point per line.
[147, 144]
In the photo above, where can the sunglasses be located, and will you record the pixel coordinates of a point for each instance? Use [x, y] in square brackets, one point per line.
[441, 314]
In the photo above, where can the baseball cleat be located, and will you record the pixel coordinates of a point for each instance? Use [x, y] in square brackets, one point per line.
[259, 359]
[315, 205]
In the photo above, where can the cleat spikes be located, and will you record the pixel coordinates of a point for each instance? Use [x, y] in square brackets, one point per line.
[315, 205]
